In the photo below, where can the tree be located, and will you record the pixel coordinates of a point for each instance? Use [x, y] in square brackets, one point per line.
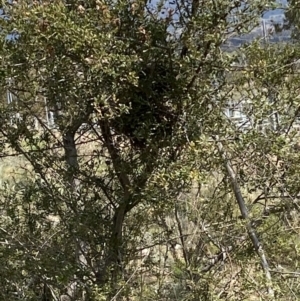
[138, 101]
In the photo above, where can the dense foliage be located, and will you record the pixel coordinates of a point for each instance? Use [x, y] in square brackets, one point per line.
[143, 187]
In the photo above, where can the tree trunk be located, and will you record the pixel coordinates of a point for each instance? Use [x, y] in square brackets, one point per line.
[71, 158]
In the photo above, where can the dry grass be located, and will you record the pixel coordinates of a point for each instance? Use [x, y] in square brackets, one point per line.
[11, 169]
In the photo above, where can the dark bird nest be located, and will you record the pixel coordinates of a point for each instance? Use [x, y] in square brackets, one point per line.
[154, 107]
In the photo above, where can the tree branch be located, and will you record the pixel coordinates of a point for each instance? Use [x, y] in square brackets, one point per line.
[245, 215]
